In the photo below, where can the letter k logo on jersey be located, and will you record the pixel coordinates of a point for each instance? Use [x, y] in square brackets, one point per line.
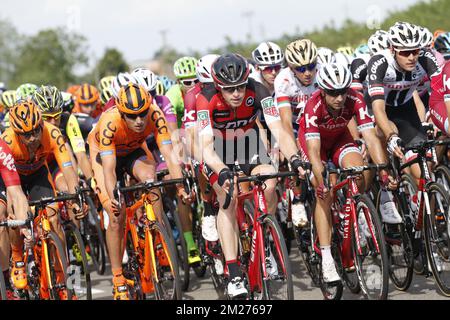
[446, 83]
[310, 121]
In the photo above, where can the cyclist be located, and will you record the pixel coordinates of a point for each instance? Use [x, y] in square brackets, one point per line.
[393, 78]
[166, 82]
[203, 70]
[32, 141]
[8, 100]
[294, 85]
[440, 99]
[268, 58]
[105, 89]
[325, 55]
[226, 117]
[324, 135]
[87, 101]
[117, 144]
[11, 192]
[184, 69]
[25, 91]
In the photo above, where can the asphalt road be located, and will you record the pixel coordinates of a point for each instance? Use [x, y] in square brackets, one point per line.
[202, 289]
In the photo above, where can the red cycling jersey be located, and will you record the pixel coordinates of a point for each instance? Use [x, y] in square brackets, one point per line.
[190, 106]
[8, 170]
[334, 136]
[440, 94]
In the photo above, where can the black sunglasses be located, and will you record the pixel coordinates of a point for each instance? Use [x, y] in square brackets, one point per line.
[336, 93]
[141, 115]
[188, 83]
[32, 133]
[407, 53]
[234, 88]
[309, 67]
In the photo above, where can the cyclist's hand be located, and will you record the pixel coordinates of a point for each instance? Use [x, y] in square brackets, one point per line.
[184, 196]
[28, 240]
[394, 144]
[78, 212]
[296, 165]
[362, 147]
[115, 207]
[389, 181]
[322, 191]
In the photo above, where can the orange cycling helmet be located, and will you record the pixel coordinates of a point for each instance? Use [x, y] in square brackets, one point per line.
[73, 89]
[87, 94]
[133, 99]
[25, 117]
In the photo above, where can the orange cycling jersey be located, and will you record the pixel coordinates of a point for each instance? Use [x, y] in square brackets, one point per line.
[52, 142]
[113, 137]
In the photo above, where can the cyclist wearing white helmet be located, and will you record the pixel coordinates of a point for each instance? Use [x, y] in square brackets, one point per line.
[293, 87]
[325, 55]
[393, 78]
[121, 80]
[268, 58]
[324, 132]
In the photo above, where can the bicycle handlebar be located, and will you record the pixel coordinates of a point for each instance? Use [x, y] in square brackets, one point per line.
[14, 223]
[260, 178]
[147, 185]
[359, 169]
[423, 146]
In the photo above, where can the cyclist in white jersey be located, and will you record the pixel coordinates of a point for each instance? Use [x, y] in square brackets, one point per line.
[393, 77]
[294, 85]
[268, 58]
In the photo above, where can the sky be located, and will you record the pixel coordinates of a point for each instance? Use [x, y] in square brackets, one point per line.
[136, 27]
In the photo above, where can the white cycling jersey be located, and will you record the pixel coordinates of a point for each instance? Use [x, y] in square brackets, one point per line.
[289, 92]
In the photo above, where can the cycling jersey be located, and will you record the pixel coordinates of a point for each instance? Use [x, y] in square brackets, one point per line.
[214, 113]
[52, 141]
[289, 92]
[8, 169]
[175, 96]
[70, 129]
[86, 123]
[190, 102]
[258, 77]
[440, 95]
[359, 73]
[333, 133]
[113, 137]
[387, 81]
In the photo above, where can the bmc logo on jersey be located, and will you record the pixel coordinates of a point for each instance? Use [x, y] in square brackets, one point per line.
[8, 160]
[236, 124]
[250, 101]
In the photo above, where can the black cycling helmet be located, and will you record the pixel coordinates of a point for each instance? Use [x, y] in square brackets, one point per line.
[230, 70]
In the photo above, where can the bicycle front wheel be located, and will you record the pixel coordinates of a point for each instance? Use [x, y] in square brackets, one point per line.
[277, 282]
[166, 281]
[437, 242]
[57, 267]
[372, 262]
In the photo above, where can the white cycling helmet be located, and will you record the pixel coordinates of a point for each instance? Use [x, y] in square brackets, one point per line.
[121, 80]
[325, 55]
[378, 42]
[145, 78]
[203, 68]
[343, 59]
[427, 37]
[334, 76]
[301, 52]
[268, 53]
[404, 35]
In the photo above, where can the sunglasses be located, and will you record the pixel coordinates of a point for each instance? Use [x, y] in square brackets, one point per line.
[270, 69]
[407, 53]
[232, 89]
[91, 105]
[336, 93]
[309, 67]
[189, 83]
[141, 115]
[55, 116]
[32, 133]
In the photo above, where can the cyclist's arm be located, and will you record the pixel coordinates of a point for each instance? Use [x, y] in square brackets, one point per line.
[109, 172]
[419, 106]
[313, 146]
[286, 119]
[84, 164]
[381, 119]
[353, 128]
[376, 151]
[18, 201]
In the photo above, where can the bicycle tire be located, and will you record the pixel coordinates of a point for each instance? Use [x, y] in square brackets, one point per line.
[432, 239]
[170, 251]
[131, 270]
[442, 174]
[199, 269]
[61, 255]
[95, 238]
[367, 287]
[279, 243]
[182, 249]
[70, 229]
[399, 245]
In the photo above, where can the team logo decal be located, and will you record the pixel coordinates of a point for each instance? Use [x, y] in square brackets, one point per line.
[250, 101]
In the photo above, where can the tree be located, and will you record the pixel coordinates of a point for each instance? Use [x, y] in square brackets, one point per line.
[50, 57]
[111, 63]
[10, 40]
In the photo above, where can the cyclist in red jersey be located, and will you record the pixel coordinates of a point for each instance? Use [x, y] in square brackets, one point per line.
[226, 116]
[325, 135]
[440, 99]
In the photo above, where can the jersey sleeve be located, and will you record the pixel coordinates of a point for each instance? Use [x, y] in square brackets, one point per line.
[75, 136]
[363, 118]
[376, 71]
[281, 86]
[311, 120]
[265, 99]
[446, 82]
[429, 62]
[107, 134]
[204, 116]
[167, 108]
[160, 128]
[359, 73]
[8, 169]
[190, 115]
[58, 147]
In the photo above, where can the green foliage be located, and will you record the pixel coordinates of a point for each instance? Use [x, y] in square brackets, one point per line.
[50, 57]
[111, 63]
